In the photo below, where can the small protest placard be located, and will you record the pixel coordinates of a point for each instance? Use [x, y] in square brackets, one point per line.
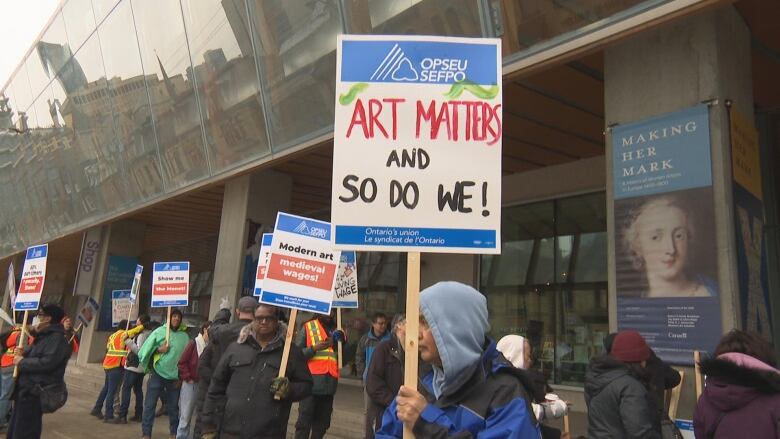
[170, 284]
[262, 262]
[88, 311]
[302, 265]
[10, 284]
[345, 292]
[139, 269]
[33, 278]
[121, 307]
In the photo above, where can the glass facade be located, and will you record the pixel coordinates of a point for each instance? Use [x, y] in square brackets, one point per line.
[121, 102]
[550, 282]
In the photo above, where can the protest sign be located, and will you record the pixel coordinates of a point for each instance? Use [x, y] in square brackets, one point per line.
[33, 277]
[262, 262]
[170, 284]
[88, 312]
[345, 292]
[417, 144]
[302, 265]
[139, 269]
[121, 307]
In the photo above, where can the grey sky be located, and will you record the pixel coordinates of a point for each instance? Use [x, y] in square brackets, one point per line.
[21, 21]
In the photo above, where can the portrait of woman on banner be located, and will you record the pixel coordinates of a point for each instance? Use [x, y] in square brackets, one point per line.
[667, 245]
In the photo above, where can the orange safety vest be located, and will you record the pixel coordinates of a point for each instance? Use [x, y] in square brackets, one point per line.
[323, 362]
[115, 351]
[10, 343]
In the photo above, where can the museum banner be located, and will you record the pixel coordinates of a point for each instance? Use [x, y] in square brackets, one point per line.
[749, 223]
[665, 247]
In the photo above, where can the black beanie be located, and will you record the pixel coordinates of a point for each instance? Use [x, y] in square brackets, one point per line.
[55, 312]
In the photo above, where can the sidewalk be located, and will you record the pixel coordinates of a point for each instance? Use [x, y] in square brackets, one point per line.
[74, 422]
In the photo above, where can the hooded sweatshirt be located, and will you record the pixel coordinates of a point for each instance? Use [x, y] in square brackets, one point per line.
[472, 392]
[741, 399]
[166, 365]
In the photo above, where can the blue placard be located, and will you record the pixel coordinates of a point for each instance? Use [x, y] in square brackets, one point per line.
[303, 226]
[415, 237]
[267, 238]
[662, 154]
[420, 62]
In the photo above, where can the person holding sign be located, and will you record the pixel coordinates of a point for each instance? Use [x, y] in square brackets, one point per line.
[10, 340]
[40, 366]
[247, 376]
[114, 367]
[471, 391]
[317, 340]
[161, 357]
[376, 334]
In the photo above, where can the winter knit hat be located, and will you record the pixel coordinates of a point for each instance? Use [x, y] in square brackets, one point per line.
[630, 347]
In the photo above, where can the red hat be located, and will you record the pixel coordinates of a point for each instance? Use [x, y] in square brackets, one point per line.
[630, 347]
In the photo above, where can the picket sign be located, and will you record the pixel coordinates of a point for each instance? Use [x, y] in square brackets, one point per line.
[10, 293]
[301, 271]
[170, 287]
[417, 153]
[139, 269]
[345, 292]
[31, 286]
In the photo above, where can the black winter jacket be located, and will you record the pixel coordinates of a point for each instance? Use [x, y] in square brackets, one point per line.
[619, 405]
[45, 361]
[385, 373]
[244, 376]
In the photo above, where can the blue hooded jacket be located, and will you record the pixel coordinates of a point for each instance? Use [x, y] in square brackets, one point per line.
[472, 395]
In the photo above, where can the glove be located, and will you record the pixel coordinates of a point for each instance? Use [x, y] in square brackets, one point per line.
[339, 336]
[212, 435]
[280, 387]
[224, 303]
[555, 409]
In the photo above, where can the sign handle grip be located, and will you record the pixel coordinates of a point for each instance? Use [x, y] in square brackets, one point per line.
[22, 338]
[412, 325]
[168, 327]
[288, 339]
[341, 346]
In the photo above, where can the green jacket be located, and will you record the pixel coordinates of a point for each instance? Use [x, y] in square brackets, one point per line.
[166, 365]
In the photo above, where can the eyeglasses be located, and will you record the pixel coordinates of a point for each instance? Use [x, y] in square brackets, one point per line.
[265, 319]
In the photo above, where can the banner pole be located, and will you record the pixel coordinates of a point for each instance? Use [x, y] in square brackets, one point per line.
[168, 327]
[288, 339]
[697, 371]
[129, 313]
[340, 349]
[21, 340]
[412, 325]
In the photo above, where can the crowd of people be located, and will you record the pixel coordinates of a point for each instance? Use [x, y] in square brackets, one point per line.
[226, 382]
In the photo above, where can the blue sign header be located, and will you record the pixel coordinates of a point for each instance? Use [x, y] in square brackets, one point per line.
[267, 239]
[303, 226]
[39, 251]
[418, 62]
[171, 266]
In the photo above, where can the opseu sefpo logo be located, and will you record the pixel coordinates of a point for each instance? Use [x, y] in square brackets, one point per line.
[396, 66]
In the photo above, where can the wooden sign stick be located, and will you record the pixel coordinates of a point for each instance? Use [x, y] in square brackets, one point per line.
[75, 331]
[674, 401]
[168, 328]
[129, 313]
[566, 423]
[412, 325]
[697, 370]
[21, 341]
[338, 326]
[288, 340]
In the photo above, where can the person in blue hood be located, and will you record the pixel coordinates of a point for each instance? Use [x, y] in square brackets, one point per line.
[471, 392]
